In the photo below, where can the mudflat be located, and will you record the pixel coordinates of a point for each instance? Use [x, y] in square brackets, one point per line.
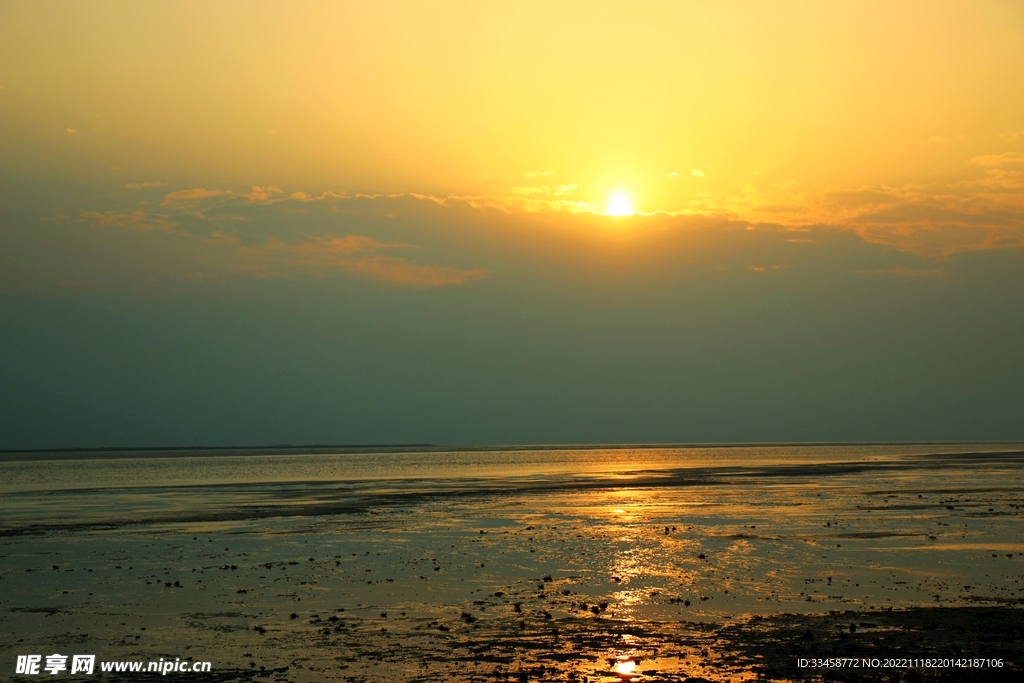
[887, 562]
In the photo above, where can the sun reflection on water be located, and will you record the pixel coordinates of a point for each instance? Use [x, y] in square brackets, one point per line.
[625, 668]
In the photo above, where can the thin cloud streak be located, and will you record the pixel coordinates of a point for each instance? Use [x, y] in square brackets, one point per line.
[355, 254]
[135, 221]
[998, 159]
[257, 195]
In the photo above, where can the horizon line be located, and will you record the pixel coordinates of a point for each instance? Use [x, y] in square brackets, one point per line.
[499, 446]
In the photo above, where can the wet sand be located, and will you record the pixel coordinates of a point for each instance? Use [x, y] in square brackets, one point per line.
[708, 569]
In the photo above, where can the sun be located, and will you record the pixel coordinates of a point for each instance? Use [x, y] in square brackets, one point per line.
[619, 205]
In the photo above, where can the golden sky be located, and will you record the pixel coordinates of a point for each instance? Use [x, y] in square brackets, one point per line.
[707, 107]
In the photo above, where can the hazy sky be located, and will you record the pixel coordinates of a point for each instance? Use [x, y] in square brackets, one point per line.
[261, 223]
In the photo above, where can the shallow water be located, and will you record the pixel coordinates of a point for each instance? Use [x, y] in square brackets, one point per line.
[429, 551]
[57, 491]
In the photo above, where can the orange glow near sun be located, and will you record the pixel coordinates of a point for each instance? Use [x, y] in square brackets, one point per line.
[619, 205]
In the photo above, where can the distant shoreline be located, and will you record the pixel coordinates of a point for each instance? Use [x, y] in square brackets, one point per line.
[117, 452]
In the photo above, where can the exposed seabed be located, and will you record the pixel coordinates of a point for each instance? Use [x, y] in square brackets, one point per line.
[718, 575]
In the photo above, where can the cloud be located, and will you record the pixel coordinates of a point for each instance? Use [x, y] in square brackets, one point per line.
[70, 131]
[402, 272]
[355, 254]
[558, 191]
[343, 246]
[262, 195]
[323, 196]
[179, 197]
[697, 172]
[512, 203]
[902, 271]
[406, 240]
[538, 174]
[143, 185]
[927, 221]
[136, 221]
[229, 245]
[998, 159]
[672, 174]
[931, 221]
[524, 198]
[1000, 178]
[257, 195]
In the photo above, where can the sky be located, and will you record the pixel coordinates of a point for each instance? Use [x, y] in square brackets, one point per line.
[256, 223]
